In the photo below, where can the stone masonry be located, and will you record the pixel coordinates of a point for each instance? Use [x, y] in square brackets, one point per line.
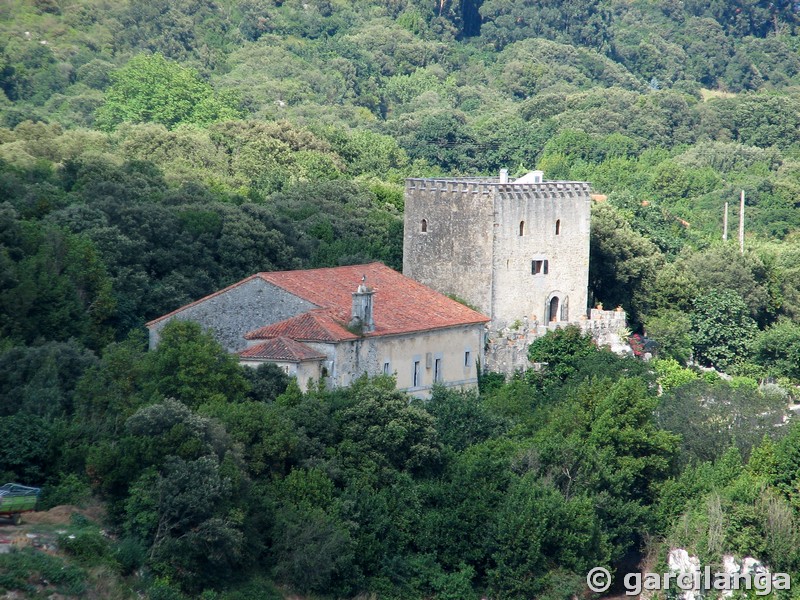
[516, 251]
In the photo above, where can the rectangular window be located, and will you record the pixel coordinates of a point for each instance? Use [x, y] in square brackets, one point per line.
[386, 368]
[437, 370]
[467, 359]
[417, 380]
[539, 267]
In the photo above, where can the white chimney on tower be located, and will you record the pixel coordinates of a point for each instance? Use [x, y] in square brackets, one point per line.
[503, 175]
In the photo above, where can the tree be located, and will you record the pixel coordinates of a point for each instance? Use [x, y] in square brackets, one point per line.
[561, 348]
[42, 380]
[778, 349]
[382, 433]
[722, 329]
[671, 330]
[723, 267]
[623, 263]
[583, 23]
[462, 419]
[27, 452]
[191, 366]
[537, 531]
[443, 139]
[193, 538]
[267, 436]
[721, 416]
[150, 88]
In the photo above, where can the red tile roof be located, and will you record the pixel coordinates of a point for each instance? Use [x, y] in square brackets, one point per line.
[401, 305]
[316, 325]
[282, 349]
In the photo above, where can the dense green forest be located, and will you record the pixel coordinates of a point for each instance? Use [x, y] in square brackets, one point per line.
[152, 152]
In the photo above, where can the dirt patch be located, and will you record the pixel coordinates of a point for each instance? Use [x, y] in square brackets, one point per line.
[61, 515]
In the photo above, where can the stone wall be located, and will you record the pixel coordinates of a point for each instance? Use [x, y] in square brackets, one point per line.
[454, 255]
[540, 209]
[235, 311]
[507, 348]
[472, 247]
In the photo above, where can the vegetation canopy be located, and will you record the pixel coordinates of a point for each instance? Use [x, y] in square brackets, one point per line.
[153, 152]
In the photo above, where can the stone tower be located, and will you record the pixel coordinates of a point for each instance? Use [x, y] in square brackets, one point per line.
[517, 250]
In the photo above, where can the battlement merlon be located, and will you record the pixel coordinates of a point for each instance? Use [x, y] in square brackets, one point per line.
[492, 185]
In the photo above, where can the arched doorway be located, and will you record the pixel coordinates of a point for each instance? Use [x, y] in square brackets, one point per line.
[552, 311]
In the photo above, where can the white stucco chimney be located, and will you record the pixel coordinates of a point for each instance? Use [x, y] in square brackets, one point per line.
[503, 175]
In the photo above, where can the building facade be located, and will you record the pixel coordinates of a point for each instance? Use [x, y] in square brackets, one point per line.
[516, 250]
[341, 323]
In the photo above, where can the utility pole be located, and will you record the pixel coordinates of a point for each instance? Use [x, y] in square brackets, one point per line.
[741, 223]
[725, 223]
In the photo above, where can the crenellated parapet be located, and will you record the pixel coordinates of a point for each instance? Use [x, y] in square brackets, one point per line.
[493, 185]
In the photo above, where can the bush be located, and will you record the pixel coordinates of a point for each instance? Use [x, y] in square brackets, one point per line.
[89, 546]
[130, 554]
[70, 490]
[18, 569]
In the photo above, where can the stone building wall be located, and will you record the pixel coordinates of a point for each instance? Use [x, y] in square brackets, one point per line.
[507, 348]
[471, 245]
[537, 211]
[234, 311]
[370, 354]
[454, 255]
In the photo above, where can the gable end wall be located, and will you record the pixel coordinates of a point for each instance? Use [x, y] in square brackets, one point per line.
[233, 313]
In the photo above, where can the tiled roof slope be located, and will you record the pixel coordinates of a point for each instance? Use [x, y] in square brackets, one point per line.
[400, 304]
[282, 349]
[316, 325]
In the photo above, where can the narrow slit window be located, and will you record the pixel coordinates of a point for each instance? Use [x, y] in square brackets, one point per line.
[558, 227]
[386, 368]
[416, 378]
[521, 228]
[424, 226]
[437, 370]
[467, 359]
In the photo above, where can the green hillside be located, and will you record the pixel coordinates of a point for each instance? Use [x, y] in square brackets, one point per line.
[152, 152]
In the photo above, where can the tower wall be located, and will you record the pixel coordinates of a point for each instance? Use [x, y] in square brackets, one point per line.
[471, 247]
[541, 209]
[454, 254]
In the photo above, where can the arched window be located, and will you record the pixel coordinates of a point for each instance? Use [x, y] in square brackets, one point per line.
[558, 226]
[522, 228]
[424, 226]
[553, 310]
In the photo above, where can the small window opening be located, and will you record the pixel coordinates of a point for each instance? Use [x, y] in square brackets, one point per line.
[416, 378]
[539, 267]
[467, 359]
[386, 368]
[521, 228]
[437, 370]
[558, 227]
[553, 310]
[424, 226]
